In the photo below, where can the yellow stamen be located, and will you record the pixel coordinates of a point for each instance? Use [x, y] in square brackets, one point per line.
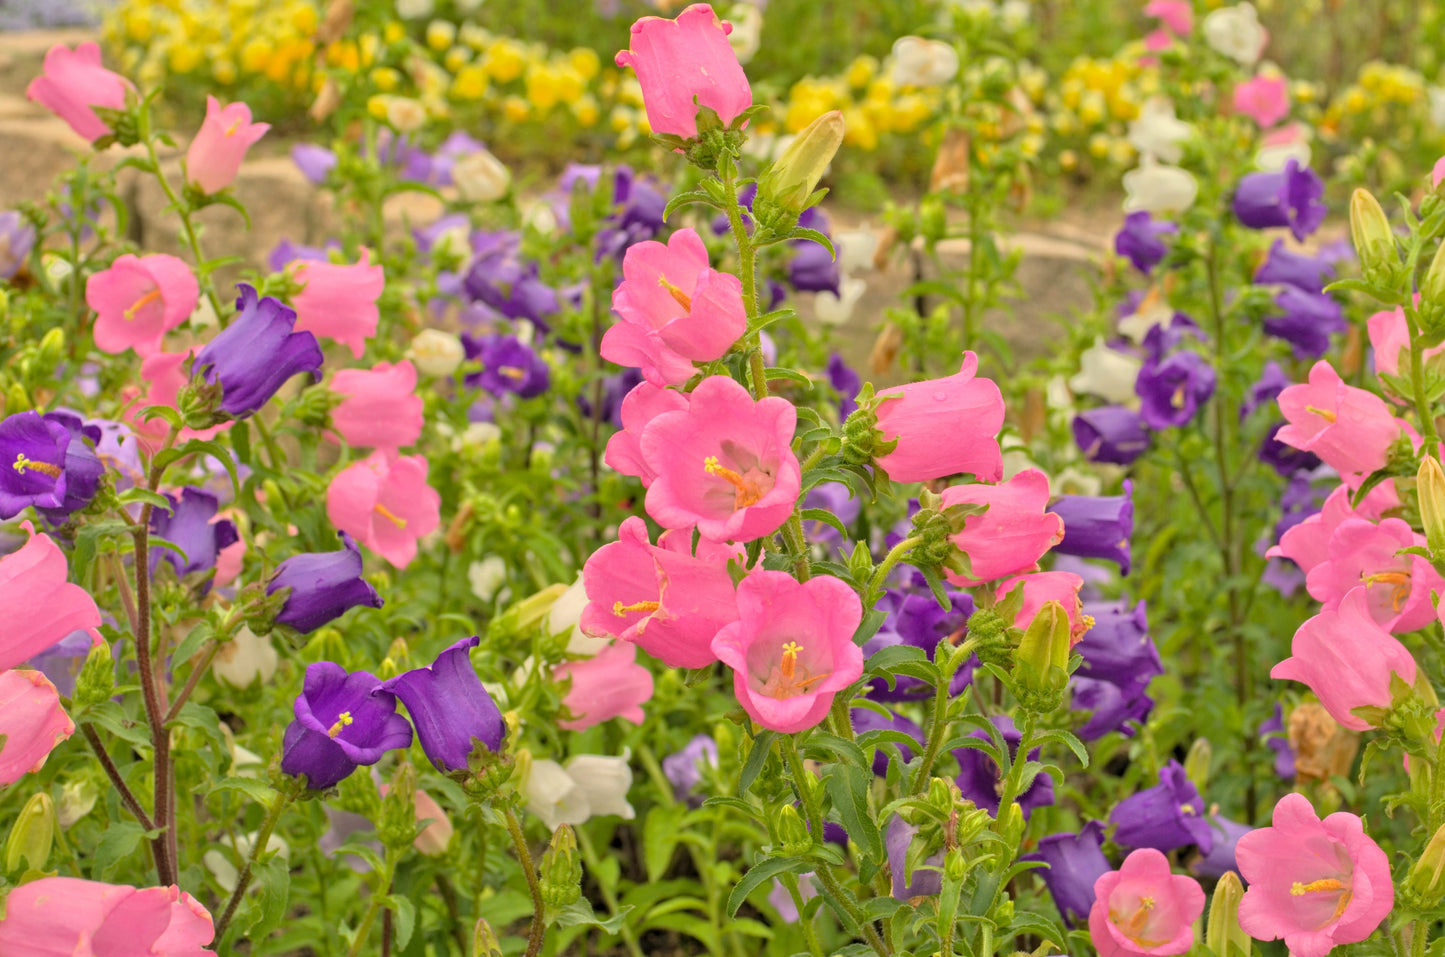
[1325, 414]
[343, 720]
[683, 299]
[746, 495]
[1327, 884]
[1147, 903]
[1398, 594]
[142, 302]
[389, 515]
[620, 609]
[513, 373]
[785, 682]
[789, 664]
[45, 468]
[233, 128]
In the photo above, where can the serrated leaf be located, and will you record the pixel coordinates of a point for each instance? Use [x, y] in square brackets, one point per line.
[256, 790]
[826, 517]
[118, 841]
[823, 746]
[405, 920]
[580, 914]
[269, 908]
[687, 199]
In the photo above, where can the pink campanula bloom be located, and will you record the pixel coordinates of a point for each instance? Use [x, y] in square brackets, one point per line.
[381, 408]
[72, 84]
[1264, 99]
[611, 684]
[1390, 338]
[164, 375]
[1177, 15]
[138, 300]
[1042, 587]
[1350, 429]
[1363, 553]
[791, 649]
[675, 309]
[32, 723]
[215, 155]
[685, 63]
[661, 596]
[1437, 173]
[1315, 883]
[1144, 909]
[640, 406]
[1013, 534]
[943, 427]
[724, 464]
[339, 301]
[70, 916]
[42, 606]
[1346, 659]
[1308, 543]
[385, 503]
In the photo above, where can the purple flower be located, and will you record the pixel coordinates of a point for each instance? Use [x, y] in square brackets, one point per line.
[119, 451]
[62, 661]
[813, 269]
[188, 523]
[846, 382]
[867, 719]
[684, 768]
[314, 162]
[324, 586]
[1111, 433]
[1118, 648]
[1164, 337]
[287, 252]
[438, 168]
[1304, 272]
[17, 238]
[837, 499]
[1164, 817]
[1097, 526]
[450, 708]
[1139, 241]
[979, 774]
[915, 619]
[1285, 459]
[1306, 321]
[497, 278]
[927, 878]
[1111, 707]
[1272, 733]
[428, 237]
[1290, 197]
[1075, 862]
[342, 721]
[83, 467]
[1172, 390]
[508, 365]
[40, 460]
[1272, 381]
[254, 356]
[1219, 859]
[614, 390]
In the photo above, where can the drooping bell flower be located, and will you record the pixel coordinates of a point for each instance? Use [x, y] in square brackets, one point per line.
[509, 365]
[1140, 240]
[341, 721]
[1118, 648]
[32, 723]
[683, 769]
[979, 774]
[1314, 883]
[1075, 862]
[72, 84]
[46, 463]
[1097, 526]
[381, 408]
[385, 503]
[215, 155]
[675, 309]
[1172, 389]
[813, 269]
[1286, 460]
[138, 300]
[314, 162]
[1305, 320]
[926, 879]
[44, 607]
[846, 382]
[1350, 429]
[610, 684]
[84, 468]
[661, 596]
[865, 720]
[324, 586]
[67, 915]
[1166, 816]
[254, 356]
[451, 710]
[943, 427]
[339, 301]
[1369, 555]
[1176, 15]
[1040, 588]
[1276, 737]
[1112, 434]
[639, 407]
[724, 464]
[1143, 909]
[1300, 270]
[1012, 535]
[683, 64]
[17, 238]
[1111, 707]
[791, 649]
[191, 524]
[504, 283]
[1289, 197]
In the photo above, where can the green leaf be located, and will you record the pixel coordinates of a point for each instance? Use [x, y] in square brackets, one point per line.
[822, 746]
[737, 804]
[818, 237]
[256, 790]
[777, 374]
[825, 516]
[118, 841]
[274, 878]
[848, 787]
[687, 199]
[757, 757]
[144, 497]
[869, 626]
[764, 870]
[198, 635]
[768, 318]
[405, 920]
[660, 834]
[580, 914]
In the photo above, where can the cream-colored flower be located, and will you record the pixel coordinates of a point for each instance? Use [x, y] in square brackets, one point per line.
[1236, 33]
[921, 62]
[1106, 373]
[1157, 188]
[436, 352]
[1157, 132]
[244, 659]
[481, 177]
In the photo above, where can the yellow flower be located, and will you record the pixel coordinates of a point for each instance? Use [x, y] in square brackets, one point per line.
[393, 32]
[470, 83]
[223, 71]
[516, 109]
[386, 79]
[184, 57]
[1099, 145]
[543, 90]
[620, 119]
[303, 18]
[1068, 160]
[858, 130]
[440, 34]
[1121, 152]
[586, 110]
[861, 71]
[585, 61]
[504, 60]
[376, 106]
[457, 58]
[255, 55]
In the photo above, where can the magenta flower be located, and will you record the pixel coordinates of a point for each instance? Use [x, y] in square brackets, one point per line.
[215, 155]
[43, 606]
[338, 302]
[1315, 883]
[1144, 909]
[724, 464]
[385, 503]
[1362, 553]
[675, 309]
[943, 427]
[73, 83]
[1347, 659]
[1390, 338]
[1013, 534]
[381, 408]
[683, 64]
[640, 406]
[32, 723]
[138, 300]
[661, 596]
[791, 649]
[610, 685]
[1350, 429]
[1264, 99]
[1177, 15]
[67, 915]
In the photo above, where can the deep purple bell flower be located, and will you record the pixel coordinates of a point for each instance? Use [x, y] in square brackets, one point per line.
[83, 467]
[1075, 862]
[342, 721]
[1118, 648]
[915, 619]
[257, 353]
[1272, 732]
[926, 879]
[1220, 859]
[614, 390]
[1140, 240]
[1285, 459]
[35, 463]
[1304, 272]
[1166, 816]
[188, 523]
[1305, 320]
[1111, 433]
[450, 708]
[497, 278]
[846, 382]
[813, 269]
[1164, 337]
[1097, 526]
[1289, 197]
[287, 252]
[1111, 707]
[1272, 381]
[508, 365]
[979, 775]
[866, 719]
[324, 586]
[1172, 390]
[683, 769]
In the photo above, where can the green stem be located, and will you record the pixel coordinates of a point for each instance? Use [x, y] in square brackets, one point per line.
[1417, 383]
[537, 932]
[938, 717]
[258, 847]
[790, 881]
[590, 858]
[890, 561]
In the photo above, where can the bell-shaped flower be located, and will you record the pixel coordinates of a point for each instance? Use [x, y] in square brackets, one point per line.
[1110, 707]
[610, 684]
[45, 462]
[640, 406]
[920, 62]
[380, 407]
[1157, 188]
[1157, 132]
[1264, 99]
[72, 83]
[1221, 858]
[916, 618]
[1305, 320]
[215, 155]
[191, 523]
[683, 64]
[1112, 434]
[385, 503]
[1305, 272]
[605, 779]
[1291, 197]
[341, 721]
[1097, 526]
[1118, 648]
[246, 659]
[791, 649]
[1314, 883]
[1141, 240]
[32, 723]
[509, 365]
[67, 915]
[338, 301]
[1366, 554]
[979, 774]
[1075, 862]
[684, 769]
[44, 607]
[1176, 15]
[1039, 588]
[1237, 33]
[554, 795]
[1166, 816]
[1143, 909]
[1172, 389]
[1349, 428]
[138, 300]
[1012, 535]
[943, 427]
[324, 586]
[1390, 338]
[254, 356]
[451, 710]
[436, 352]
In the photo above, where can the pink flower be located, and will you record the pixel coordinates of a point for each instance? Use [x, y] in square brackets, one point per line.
[1390, 338]
[165, 376]
[215, 155]
[1013, 534]
[1308, 543]
[610, 685]
[675, 309]
[229, 560]
[1144, 909]
[791, 649]
[1346, 659]
[724, 464]
[42, 607]
[339, 302]
[138, 300]
[32, 723]
[381, 408]
[661, 596]
[72, 84]
[943, 427]
[1317, 884]
[640, 406]
[66, 915]
[1362, 553]
[385, 503]
[1177, 15]
[1264, 99]
[1350, 429]
[437, 835]
[1042, 587]
[679, 60]
[1437, 173]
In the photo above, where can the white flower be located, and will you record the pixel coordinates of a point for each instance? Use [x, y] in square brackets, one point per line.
[245, 658]
[478, 433]
[565, 615]
[1437, 105]
[245, 764]
[1236, 32]
[486, 576]
[467, 6]
[481, 177]
[1152, 311]
[204, 315]
[747, 35]
[225, 872]
[1159, 189]
[542, 218]
[414, 9]
[920, 62]
[834, 310]
[1106, 373]
[435, 352]
[856, 249]
[1157, 132]
[77, 797]
[605, 780]
[554, 796]
[1016, 461]
[1272, 159]
[1013, 14]
[405, 114]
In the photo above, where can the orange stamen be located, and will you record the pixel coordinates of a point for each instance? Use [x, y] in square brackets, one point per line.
[45, 468]
[746, 494]
[142, 302]
[1325, 414]
[389, 515]
[343, 720]
[683, 299]
[620, 609]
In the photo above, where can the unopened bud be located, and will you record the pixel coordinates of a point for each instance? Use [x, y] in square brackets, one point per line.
[16, 400]
[397, 827]
[1223, 935]
[1430, 489]
[96, 681]
[1197, 763]
[941, 795]
[1432, 289]
[787, 186]
[1374, 241]
[28, 847]
[561, 870]
[1426, 880]
[793, 837]
[77, 797]
[1042, 659]
[1011, 825]
[955, 866]
[52, 347]
[484, 941]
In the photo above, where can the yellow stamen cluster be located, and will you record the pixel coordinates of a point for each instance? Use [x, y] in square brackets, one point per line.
[620, 609]
[1325, 414]
[45, 468]
[142, 302]
[343, 720]
[389, 515]
[746, 495]
[683, 299]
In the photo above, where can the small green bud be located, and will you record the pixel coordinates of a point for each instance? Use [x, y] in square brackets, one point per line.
[28, 847]
[1197, 763]
[861, 438]
[16, 400]
[793, 837]
[1432, 289]
[991, 629]
[561, 870]
[786, 187]
[933, 219]
[1430, 490]
[96, 681]
[397, 827]
[941, 794]
[1011, 825]
[52, 347]
[955, 865]
[1425, 883]
[484, 940]
[1373, 239]
[1042, 659]
[1223, 934]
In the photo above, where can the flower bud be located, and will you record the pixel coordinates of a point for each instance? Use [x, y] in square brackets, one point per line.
[561, 870]
[1373, 240]
[942, 794]
[955, 865]
[1426, 881]
[787, 186]
[1042, 659]
[1197, 763]
[77, 797]
[1430, 489]
[397, 827]
[793, 837]
[96, 681]
[1223, 935]
[1011, 825]
[1432, 289]
[484, 941]
[31, 836]
[52, 346]
[16, 400]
